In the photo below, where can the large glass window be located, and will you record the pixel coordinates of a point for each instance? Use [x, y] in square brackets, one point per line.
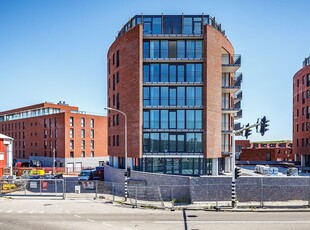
[154, 142]
[146, 73]
[154, 95]
[187, 26]
[164, 49]
[146, 119]
[172, 119]
[181, 119]
[146, 96]
[164, 144]
[164, 72]
[180, 49]
[156, 26]
[164, 96]
[154, 49]
[154, 119]
[154, 73]
[164, 119]
[146, 49]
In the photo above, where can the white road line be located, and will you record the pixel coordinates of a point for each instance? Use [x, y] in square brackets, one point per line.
[107, 224]
[77, 216]
[42, 212]
[67, 212]
[239, 222]
[9, 211]
[90, 220]
[127, 228]
[31, 211]
[20, 211]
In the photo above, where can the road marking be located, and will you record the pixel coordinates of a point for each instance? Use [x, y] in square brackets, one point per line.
[127, 228]
[31, 211]
[239, 222]
[90, 220]
[77, 216]
[9, 211]
[20, 211]
[67, 212]
[107, 224]
[42, 212]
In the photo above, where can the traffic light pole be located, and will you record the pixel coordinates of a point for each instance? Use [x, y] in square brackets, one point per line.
[233, 161]
[233, 178]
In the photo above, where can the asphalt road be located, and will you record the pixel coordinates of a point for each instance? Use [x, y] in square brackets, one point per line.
[86, 214]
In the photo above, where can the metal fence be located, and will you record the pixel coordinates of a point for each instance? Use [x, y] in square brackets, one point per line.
[259, 192]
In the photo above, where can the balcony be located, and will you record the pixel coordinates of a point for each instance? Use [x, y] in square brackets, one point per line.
[230, 64]
[238, 97]
[230, 89]
[230, 110]
[238, 79]
[238, 115]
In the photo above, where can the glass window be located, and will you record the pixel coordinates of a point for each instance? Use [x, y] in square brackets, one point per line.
[190, 49]
[164, 119]
[172, 96]
[198, 119]
[198, 49]
[83, 144]
[181, 143]
[147, 26]
[146, 73]
[146, 96]
[146, 49]
[172, 49]
[164, 96]
[92, 133]
[187, 26]
[172, 119]
[82, 122]
[71, 121]
[154, 142]
[198, 96]
[154, 96]
[172, 73]
[154, 119]
[164, 49]
[146, 142]
[154, 49]
[190, 72]
[197, 28]
[154, 72]
[198, 72]
[181, 96]
[92, 123]
[146, 119]
[164, 142]
[181, 73]
[71, 133]
[180, 49]
[199, 146]
[83, 133]
[187, 166]
[92, 144]
[190, 142]
[172, 143]
[190, 119]
[164, 72]
[181, 119]
[156, 26]
[190, 96]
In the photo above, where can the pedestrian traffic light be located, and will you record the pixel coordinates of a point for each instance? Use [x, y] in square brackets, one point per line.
[237, 172]
[263, 125]
[247, 131]
[128, 171]
[125, 174]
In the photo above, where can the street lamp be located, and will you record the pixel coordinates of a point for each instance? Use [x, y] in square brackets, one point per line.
[54, 150]
[126, 156]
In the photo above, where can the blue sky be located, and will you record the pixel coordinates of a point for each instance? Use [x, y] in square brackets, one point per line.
[56, 50]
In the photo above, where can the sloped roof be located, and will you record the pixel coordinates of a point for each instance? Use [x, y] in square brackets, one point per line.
[2, 136]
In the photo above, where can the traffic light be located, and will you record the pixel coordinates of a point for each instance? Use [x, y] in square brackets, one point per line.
[263, 125]
[237, 172]
[247, 131]
[128, 171]
[125, 173]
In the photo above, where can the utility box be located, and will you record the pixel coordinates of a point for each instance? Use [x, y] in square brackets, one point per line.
[77, 189]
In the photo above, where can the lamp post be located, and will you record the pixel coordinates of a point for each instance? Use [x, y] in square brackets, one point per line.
[126, 156]
[54, 150]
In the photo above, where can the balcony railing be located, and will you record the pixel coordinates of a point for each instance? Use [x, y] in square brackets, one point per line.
[230, 64]
[238, 115]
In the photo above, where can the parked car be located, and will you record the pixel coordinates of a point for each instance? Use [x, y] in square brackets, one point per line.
[88, 174]
[292, 172]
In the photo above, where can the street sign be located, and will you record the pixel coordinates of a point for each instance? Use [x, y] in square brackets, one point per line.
[33, 184]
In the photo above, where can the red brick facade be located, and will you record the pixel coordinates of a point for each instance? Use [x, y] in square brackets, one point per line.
[301, 113]
[39, 134]
[281, 151]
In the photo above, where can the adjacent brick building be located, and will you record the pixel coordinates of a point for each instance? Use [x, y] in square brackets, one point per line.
[6, 144]
[301, 113]
[264, 151]
[48, 131]
[174, 76]
[2, 156]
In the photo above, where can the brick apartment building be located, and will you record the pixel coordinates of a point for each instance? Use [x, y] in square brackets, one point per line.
[48, 131]
[174, 76]
[5, 153]
[301, 113]
[265, 151]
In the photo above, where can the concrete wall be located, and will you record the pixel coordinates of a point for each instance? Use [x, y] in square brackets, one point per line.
[209, 188]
